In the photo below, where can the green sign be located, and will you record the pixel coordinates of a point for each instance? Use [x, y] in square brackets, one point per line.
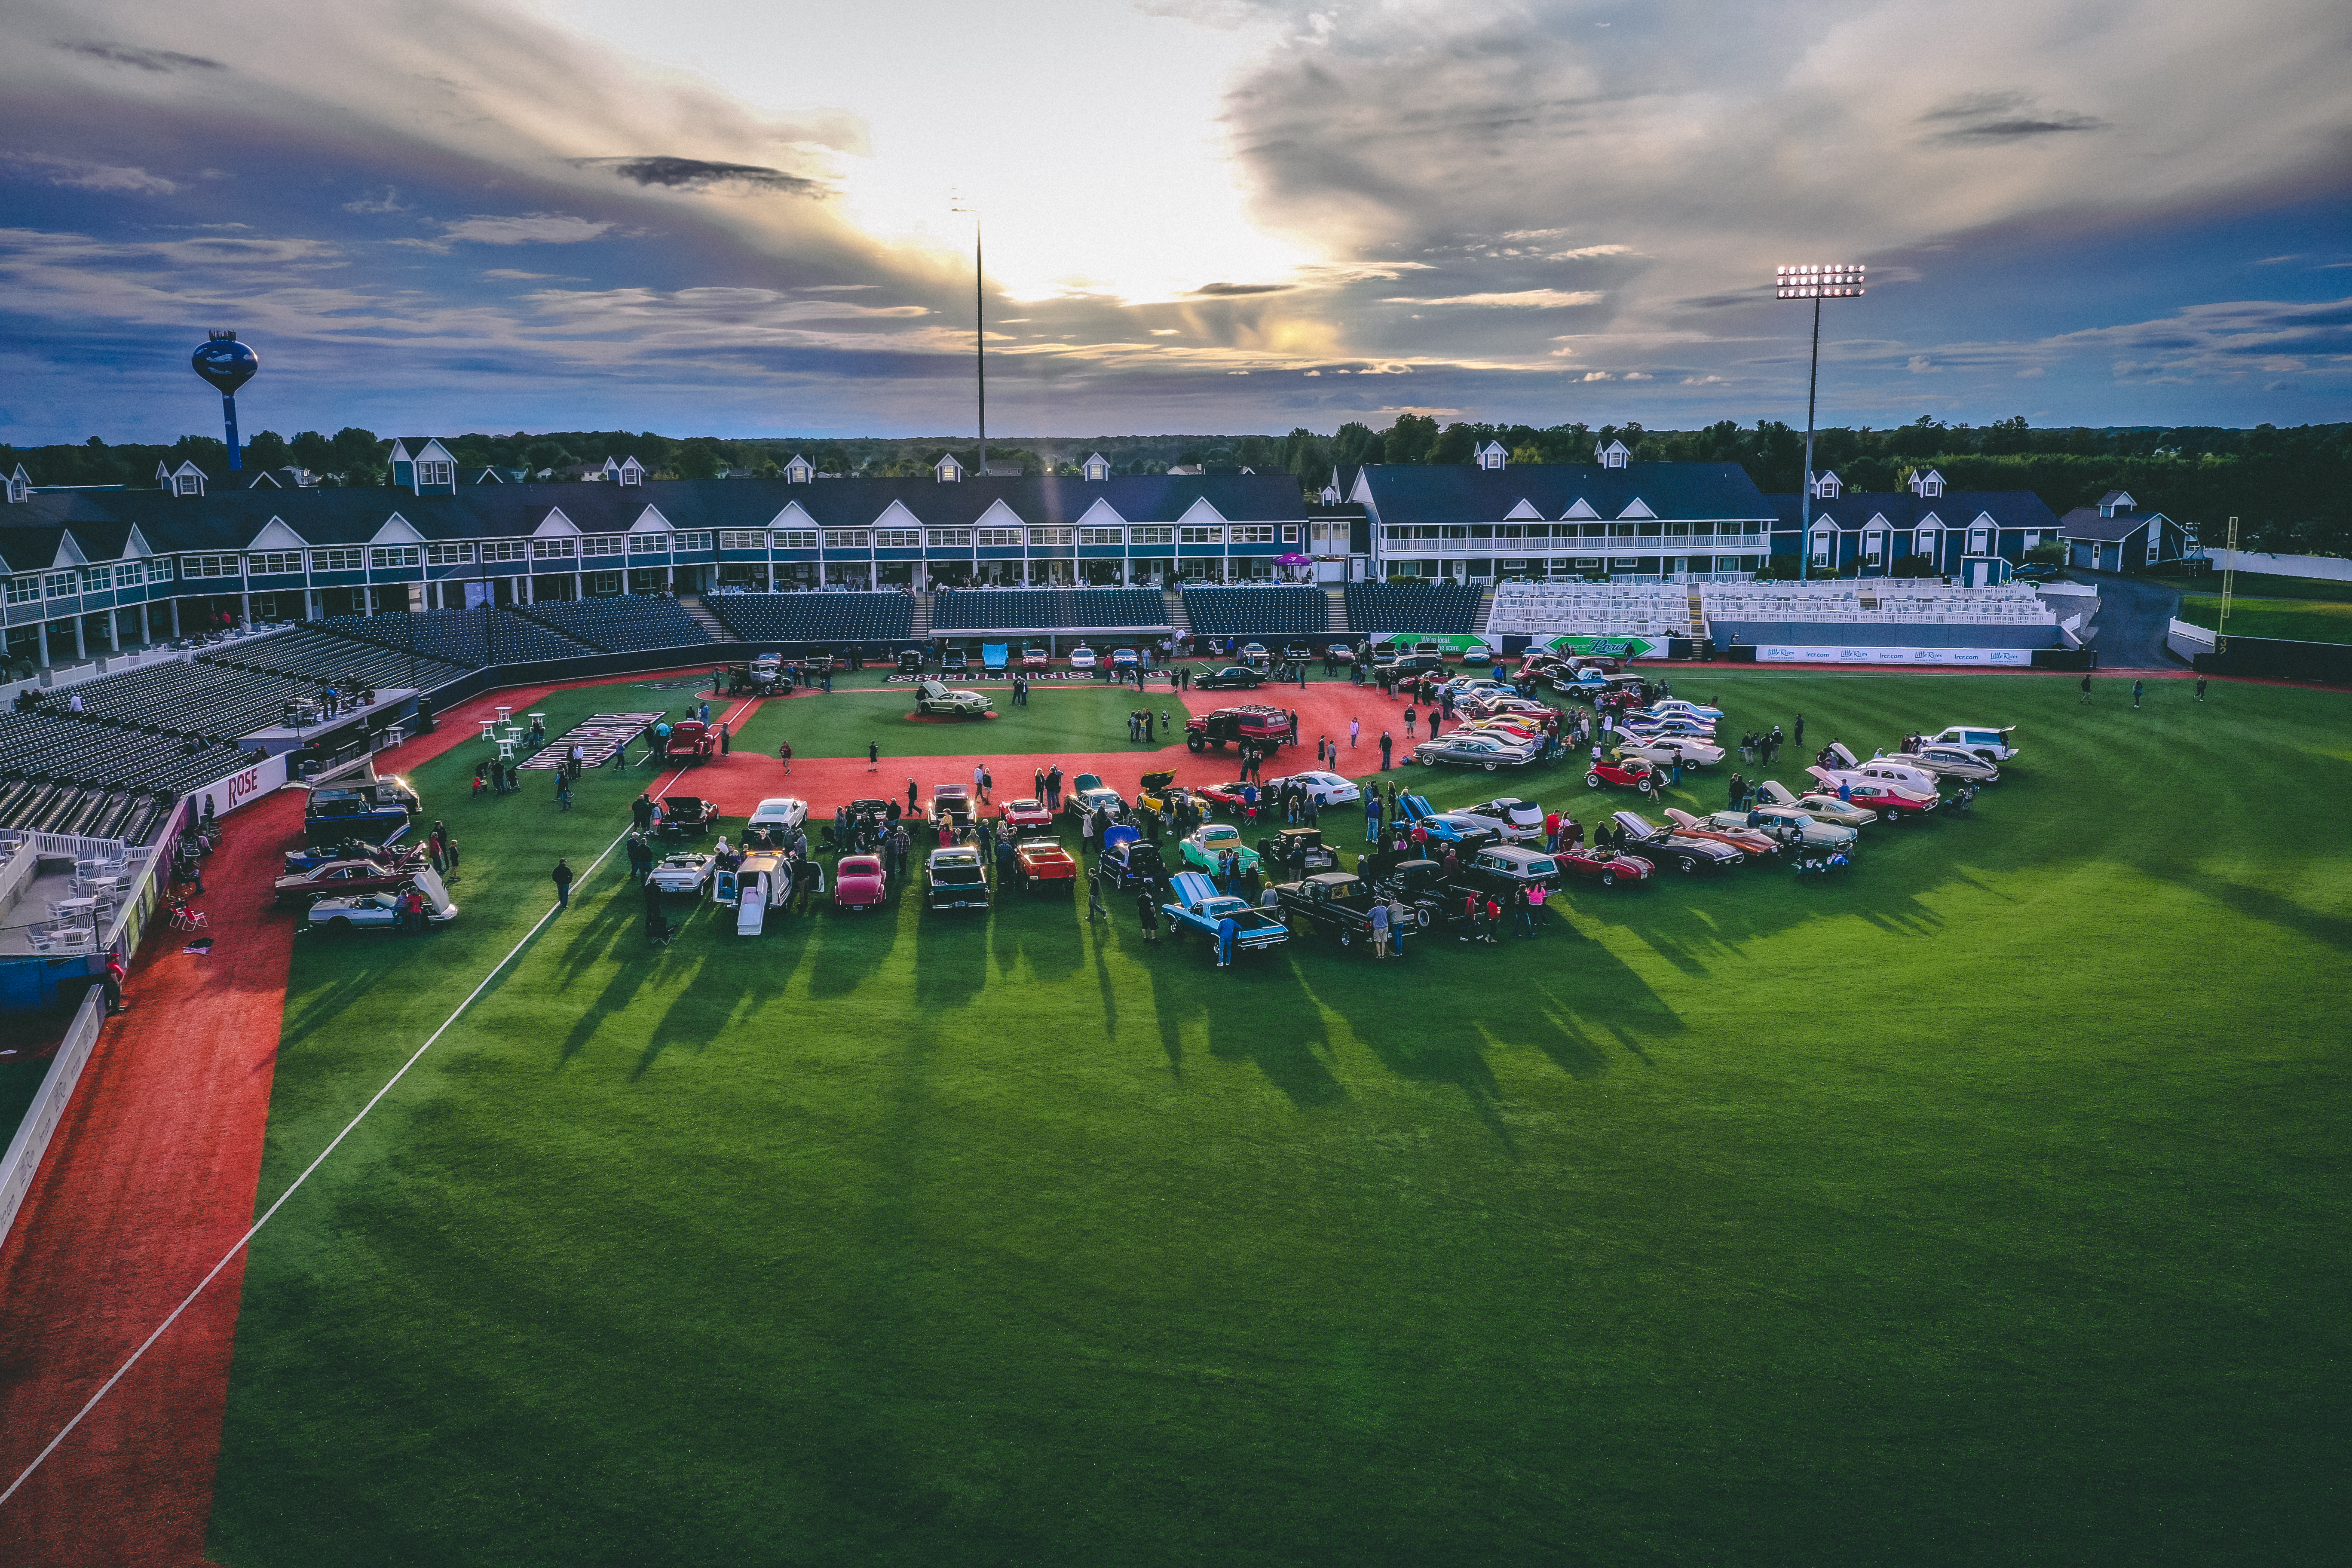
[1454, 642]
[1622, 645]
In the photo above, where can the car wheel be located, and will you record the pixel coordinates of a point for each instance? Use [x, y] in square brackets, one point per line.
[1490, 767]
[340, 926]
[1608, 878]
[1689, 865]
[1592, 781]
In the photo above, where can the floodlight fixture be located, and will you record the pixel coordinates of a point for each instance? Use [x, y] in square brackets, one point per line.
[1816, 281]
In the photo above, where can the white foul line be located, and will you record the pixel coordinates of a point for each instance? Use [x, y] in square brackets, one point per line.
[255, 1229]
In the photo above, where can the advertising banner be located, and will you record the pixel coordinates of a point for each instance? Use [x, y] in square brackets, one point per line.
[1622, 645]
[1784, 653]
[1452, 643]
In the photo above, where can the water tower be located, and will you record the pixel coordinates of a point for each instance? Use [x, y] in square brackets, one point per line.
[227, 364]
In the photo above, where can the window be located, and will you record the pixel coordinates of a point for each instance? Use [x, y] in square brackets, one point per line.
[1151, 536]
[159, 571]
[504, 550]
[1101, 535]
[844, 539]
[741, 538]
[604, 544]
[554, 548]
[951, 537]
[999, 538]
[1980, 541]
[2155, 542]
[275, 564]
[23, 590]
[436, 473]
[448, 554]
[649, 545]
[386, 557]
[898, 538]
[805, 539]
[1200, 535]
[130, 575]
[98, 580]
[1253, 533]
[197, 566]
[187, 484]
[1514, 565]
[1049, 536]
[1587, 564]
[335, 560]
[1624, 563]
[604, 584]
[694, 539]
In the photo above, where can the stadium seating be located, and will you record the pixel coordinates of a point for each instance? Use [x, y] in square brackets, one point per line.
[817, 617]
[470, 637]
[1590, 609]
[617, 625]
[1374, 607]
[1258, 612]
[208, 700]
[62, 750]
[321, 658]
[1047, 609]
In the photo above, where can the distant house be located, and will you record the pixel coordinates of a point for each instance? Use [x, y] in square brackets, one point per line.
[2117, 536]
[423, 466]
[1867, 533]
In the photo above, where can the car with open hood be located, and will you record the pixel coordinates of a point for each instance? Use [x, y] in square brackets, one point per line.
[1512, 818]
[1686, 853]
[342, 913]
[1195, 905]
[936, 697]
[1791, 825]
[1089, 794]
[1755, 844]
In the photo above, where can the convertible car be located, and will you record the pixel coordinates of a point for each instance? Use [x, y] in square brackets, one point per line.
[858, 883]
[1205, 844]
[1623, 775]
[684, 873]
[1019, 814]
[1754, 843]
[1606, 867]
[1475, 749]
[1044, 860]
[381, 911]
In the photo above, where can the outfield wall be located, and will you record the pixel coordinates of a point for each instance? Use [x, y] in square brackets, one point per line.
[2280, 659]
[23, 1159]
[2327, 568]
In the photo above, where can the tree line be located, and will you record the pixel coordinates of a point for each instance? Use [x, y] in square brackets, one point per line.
[2291, 488]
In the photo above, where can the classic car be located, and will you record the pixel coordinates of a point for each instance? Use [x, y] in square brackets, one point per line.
[1509, 816]
[778, 813]
[1686, 853]
[1339, 652]
[1043, 859]
[1154, 795]
[938, 697]
[1024, 814]
[1787, 825]
[950, 805]
[1338, 903]
[1229, 794]
[858, 883]
[860, 824]
[1298, 650]
[687, 872]
[1455, 827]
[689, 741]
[1420, 885]
[1327, 788]
[1088, 792]
[1252, 721]
[1820, 808]
[1663, 750]
[389, 854]
[1478, 653]
[684, 816]
[955, 661]
[1196, 905]
[1129, 860]
[1891, 801]
[1950, 762]
[1665, 705]
[1756, 844]
[381, 910]
[344, 877]
[1898, 772]
[1254, 654]
[1507, 871]
[1515, 726]
[1125, 659]
[1520, 707]
[1082, 657]
[1297, 852]
[1986, 741]
[1205, 843]
[911, 660]
[1645, 724]
[1475, 749]
[375, 810]
[1232, 677]
[1625, 774]
[954, 879]
[1463, 687]
[1606, 867]
[1035, 658]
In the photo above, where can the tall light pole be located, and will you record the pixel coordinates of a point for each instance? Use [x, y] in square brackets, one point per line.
[1836, 281]
[979, 329]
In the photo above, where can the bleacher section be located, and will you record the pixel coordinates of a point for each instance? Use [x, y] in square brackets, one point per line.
[63, 775]
[207, 701]
[470, 637]
[1590, 610]
[814, 617]
[1924, 615]
[618, 625]
[1258, 612]
[1896, 603]
[1374, 607]
[1047, 610]
[322, 657]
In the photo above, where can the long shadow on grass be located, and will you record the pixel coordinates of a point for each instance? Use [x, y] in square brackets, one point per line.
[1255, 1011]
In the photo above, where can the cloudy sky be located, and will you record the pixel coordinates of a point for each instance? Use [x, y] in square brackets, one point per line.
[755, 218]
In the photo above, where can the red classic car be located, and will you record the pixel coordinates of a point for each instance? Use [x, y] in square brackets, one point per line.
[345, 879]
[1021, 813]
[1044, 860]
[1624, 775]
[1896, 803]
[1606, 867]
[1228, 795]
[1756, 846]
[858, 883]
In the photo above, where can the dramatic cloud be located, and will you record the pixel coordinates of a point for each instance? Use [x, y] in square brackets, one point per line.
[160, 61]
[1523, 300]
[701, 174]
[534, 228]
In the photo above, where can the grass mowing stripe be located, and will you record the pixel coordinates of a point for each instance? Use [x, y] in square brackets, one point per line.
[296, 1185]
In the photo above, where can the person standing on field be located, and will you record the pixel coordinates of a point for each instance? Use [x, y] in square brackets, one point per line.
[561, 875]
[2136, 688]
[2201, 688]
[2086, 698]
[784, 755]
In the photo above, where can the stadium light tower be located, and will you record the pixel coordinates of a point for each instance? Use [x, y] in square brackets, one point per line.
[1835, 281]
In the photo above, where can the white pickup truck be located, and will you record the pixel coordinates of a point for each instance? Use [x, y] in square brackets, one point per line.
[1986, 742]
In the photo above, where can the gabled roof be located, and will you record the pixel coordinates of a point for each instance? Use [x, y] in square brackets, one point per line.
[1903, 510]
[1405, 493]
[418, 449]
[2089, 523]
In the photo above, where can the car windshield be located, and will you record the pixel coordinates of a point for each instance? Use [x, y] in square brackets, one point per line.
[1218, 834]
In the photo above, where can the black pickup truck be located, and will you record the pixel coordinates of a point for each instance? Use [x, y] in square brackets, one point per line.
[1337, 904]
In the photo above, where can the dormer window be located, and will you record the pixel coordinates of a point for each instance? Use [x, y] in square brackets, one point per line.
[799, 471]
[633, 473]
[1929, 484]
[1827, 486]
[1612, 456]
[1097, 468]
[948, 469]
[19, 487]
[1492, 457]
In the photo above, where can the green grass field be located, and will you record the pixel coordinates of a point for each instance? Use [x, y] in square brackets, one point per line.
[1988, 1205]
[2306, 620]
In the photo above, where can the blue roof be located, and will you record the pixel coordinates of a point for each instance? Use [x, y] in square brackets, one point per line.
[1954, 508]
[1407, 493]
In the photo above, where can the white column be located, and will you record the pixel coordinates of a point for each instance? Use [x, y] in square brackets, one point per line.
[81, 645]
[175, 629]
[246, 595]
[43, 628]
[579, 584]
[772, 574]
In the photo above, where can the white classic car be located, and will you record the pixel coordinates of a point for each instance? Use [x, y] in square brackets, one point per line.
[686, 873]
[381, 911]
[1662, 750]
[1327, 788]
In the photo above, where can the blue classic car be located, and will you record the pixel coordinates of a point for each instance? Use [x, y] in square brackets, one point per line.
[1198, 905]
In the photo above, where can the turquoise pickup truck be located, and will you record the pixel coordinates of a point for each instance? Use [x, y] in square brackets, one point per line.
[1200, 906]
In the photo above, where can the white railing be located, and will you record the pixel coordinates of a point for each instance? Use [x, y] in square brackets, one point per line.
[2332, 568]
[23, 1159]
[2188, 641]
[65, 844]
